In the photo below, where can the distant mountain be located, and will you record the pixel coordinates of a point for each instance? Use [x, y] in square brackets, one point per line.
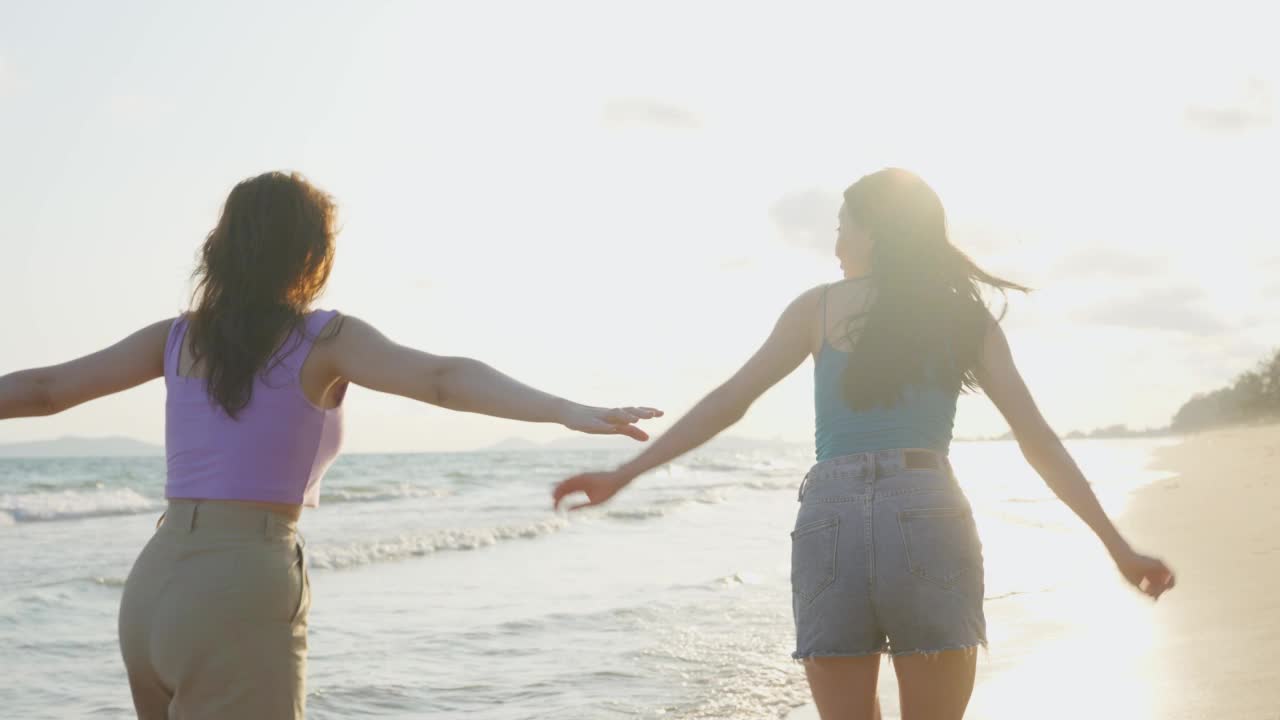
[514, 443]
[81, 447]
[617, 442]
[1112, 432]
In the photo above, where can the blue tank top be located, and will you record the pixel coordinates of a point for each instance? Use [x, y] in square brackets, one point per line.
[923, 417]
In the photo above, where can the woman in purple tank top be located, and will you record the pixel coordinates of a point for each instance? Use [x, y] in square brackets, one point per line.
[214, 615]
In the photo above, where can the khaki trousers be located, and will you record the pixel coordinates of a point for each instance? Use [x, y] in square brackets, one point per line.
[213, 623]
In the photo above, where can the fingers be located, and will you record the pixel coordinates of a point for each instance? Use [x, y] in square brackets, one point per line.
[575, 484]
[1154, 584]
[603, 428]
[631, 414]
[631, 431]
[564, 489]
[1161, 579]
[620, 416]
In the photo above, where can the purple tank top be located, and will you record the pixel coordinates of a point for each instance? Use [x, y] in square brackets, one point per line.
[275, 450]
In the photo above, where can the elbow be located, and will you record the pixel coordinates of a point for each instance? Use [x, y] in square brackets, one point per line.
[448, 380]
[729, 408]
[27, 395]
[43, 403]
[1033, 454]
[1039, 447]
[48, 407]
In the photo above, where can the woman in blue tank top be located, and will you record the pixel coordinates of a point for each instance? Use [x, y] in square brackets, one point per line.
[885, 554]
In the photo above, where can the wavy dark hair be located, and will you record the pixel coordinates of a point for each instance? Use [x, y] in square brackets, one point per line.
[927, 318]
[260, 269]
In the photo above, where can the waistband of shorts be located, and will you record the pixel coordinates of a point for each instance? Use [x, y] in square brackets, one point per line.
[189, 516]
[895, 459]
[869, 467]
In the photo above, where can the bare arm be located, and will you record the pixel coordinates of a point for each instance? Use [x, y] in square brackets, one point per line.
[366, 357]
[1046, 454]
[781, 353]
[51, 390]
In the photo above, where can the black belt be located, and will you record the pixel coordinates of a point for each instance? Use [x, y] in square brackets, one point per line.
[923, 460]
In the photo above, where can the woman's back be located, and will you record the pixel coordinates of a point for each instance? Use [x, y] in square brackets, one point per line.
[275, 449]
[923, 415]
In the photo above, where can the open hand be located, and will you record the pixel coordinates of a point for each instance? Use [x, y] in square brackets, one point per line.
[1148, 574]
[609, 421]
[598, 487]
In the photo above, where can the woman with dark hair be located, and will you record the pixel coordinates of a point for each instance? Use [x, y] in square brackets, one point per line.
[213, 622]
[885, 554]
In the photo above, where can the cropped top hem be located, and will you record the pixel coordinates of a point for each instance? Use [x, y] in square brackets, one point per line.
[178, 494]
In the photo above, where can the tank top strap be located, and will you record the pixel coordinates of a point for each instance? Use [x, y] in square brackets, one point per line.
[173, 345]
[822, 321]
[298, 347]
[316, 321]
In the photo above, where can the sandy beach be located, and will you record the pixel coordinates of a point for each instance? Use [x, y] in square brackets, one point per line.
[1208, 649]
[1216, 524]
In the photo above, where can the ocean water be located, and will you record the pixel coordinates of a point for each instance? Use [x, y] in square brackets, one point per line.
[444, 586]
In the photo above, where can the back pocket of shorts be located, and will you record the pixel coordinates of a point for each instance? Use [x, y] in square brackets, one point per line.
[813, 558]
[942, 544]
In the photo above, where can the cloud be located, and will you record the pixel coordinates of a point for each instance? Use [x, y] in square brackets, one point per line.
[6, 78]
[1272, 290]
[1173, 309]
[1095, 262]
[137, 109]
[807, 218]
[734, 264]
[646, 112]
[1252, 108]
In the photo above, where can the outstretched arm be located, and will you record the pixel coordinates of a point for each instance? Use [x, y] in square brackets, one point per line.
[50, 390]
[366, 357]
[1041, 447]
[781, 353]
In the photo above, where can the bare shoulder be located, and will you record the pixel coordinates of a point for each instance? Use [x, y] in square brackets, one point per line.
[348, 341]
[347, 331]
[154, 338]
[808, 302]
[161, 328]
[993, 333]
[813, 295]
[995, 362]
[332, 328]
[802, 318]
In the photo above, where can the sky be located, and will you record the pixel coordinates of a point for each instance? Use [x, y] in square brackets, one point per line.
[614, 201]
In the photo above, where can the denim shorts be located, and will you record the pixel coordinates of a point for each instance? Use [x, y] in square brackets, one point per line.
[885, 557]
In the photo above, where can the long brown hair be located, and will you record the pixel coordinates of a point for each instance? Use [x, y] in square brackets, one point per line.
[927, 318]
[260, 269]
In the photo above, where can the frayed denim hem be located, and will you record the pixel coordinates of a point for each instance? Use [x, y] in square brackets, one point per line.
[805, 657]
[970, 649]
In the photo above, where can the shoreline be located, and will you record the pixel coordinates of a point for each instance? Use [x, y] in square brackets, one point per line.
[1215, 523]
